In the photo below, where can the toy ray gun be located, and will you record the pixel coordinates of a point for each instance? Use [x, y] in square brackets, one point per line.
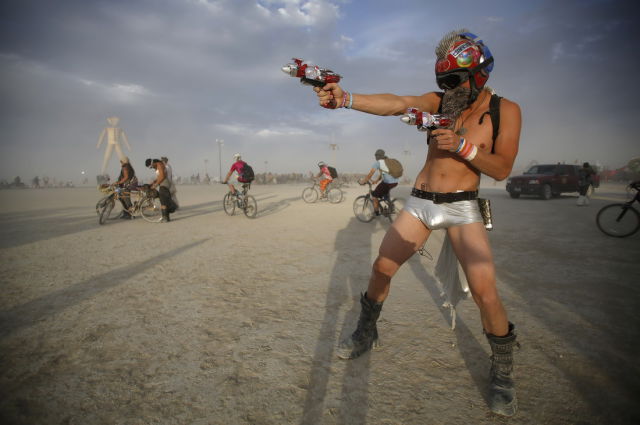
[312, 75]
[425, 121]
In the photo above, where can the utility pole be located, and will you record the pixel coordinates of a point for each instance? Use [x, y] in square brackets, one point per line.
[334, 148]
[220, 143]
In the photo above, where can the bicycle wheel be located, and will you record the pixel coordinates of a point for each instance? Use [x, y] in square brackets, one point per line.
[100, 204]
[310, 195]
[618, 220]
[394, 207]
[335, 195]
[107, 207]
[151, 210]
[250, 206]
[229, 204]
[363, 208]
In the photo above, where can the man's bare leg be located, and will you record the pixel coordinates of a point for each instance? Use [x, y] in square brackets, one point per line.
[402, 240]
[406, 235]
[471, 245]
[376, 203]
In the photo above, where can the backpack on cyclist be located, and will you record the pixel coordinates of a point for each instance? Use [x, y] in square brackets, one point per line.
[333, 172]
[247, 173]
[394, 166]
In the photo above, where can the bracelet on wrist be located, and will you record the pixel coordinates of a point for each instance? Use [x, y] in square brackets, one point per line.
[467, 150]
[350, 104]
[344, 100]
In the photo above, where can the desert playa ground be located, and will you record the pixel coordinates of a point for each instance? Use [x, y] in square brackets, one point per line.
[213, 319]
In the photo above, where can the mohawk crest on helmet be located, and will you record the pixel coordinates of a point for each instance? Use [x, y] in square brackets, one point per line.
[460, 56]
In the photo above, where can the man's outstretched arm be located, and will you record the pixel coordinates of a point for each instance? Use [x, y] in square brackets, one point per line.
[384, 104]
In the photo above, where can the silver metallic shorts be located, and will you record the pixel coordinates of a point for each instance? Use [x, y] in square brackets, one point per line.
[445, 215]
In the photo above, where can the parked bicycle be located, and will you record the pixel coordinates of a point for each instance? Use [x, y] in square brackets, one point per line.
[621, 219]
[241, 200]
[364, 210]
[145, 202]
[332, 193]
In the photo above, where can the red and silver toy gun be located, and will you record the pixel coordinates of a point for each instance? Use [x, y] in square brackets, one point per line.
[425, 121]
[312, 75]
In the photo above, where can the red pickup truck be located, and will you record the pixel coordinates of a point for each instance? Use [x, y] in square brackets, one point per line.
[548, 180]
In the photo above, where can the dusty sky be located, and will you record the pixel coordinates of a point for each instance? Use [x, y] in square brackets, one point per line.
[182, 73]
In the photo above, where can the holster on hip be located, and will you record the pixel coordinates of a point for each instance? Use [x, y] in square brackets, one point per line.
[485, 210]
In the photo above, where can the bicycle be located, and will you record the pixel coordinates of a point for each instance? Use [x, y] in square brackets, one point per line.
[240, 199]
[333, 194]
[147, 204]
[364, 210]
[621, 219]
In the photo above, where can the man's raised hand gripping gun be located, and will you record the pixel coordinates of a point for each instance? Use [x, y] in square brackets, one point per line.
[312, 75]
[425, 121]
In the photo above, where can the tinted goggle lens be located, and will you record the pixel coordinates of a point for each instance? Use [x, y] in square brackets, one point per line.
[451, 80]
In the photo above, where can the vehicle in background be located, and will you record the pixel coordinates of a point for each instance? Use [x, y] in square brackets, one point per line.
[548, 180]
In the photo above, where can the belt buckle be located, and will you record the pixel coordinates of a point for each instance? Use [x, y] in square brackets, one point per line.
[440, 198]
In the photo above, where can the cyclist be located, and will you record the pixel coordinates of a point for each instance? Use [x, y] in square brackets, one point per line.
[388, 181]
[238, 167]
[163, 184]
[127, 180]
[325, 178]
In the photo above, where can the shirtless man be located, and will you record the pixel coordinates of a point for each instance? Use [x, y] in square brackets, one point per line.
[444, 196]
[163, 184]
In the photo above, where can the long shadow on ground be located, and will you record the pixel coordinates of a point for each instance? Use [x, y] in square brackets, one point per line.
[346, 281]
[48, 305]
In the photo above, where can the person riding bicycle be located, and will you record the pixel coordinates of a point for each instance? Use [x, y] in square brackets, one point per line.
[325, 178]
[388, 181]
[238, 167]
[163, 184]
[127, 181]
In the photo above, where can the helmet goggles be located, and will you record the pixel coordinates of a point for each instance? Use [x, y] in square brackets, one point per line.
[452, 79]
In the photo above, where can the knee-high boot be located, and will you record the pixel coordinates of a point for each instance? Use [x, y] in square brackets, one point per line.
[365, 337]
[502, 392]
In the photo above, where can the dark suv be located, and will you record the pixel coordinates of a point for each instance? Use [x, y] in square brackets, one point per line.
[547, 180]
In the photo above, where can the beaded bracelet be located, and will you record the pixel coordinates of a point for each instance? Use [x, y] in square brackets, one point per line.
[344, 100]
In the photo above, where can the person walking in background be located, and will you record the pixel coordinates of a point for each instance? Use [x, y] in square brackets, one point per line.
[163, 184]
[173, 189]
[585, 179]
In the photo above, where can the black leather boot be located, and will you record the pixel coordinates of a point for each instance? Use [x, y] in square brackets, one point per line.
[365, 337]
[165, 216]
[502, 392]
